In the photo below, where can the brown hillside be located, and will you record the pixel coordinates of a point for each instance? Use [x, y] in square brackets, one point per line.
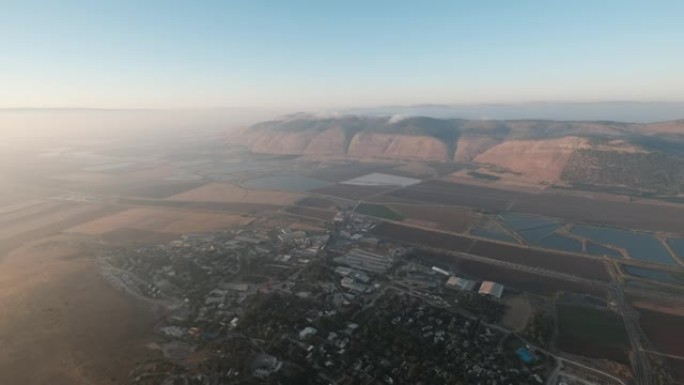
[539, 160]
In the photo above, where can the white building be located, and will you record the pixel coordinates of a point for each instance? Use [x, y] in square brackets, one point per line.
[491, 288]
[460, 283]
[440, 270]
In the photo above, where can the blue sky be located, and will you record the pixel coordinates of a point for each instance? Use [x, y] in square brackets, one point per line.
[299, 54]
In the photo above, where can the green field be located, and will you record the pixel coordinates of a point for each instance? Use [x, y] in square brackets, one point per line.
[380, 211]
[592, 332]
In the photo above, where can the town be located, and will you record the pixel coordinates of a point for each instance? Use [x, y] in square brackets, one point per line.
[273, 305]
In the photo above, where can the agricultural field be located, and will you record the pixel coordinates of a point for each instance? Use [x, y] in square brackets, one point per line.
[563, 263]
[43, 218]
[513, 279]
[421, 237]
[231, 193]
[310, 212]
[352, 192]
[573, 208]
[592, 332]
[662, 323]
[163, 220]
[453, 219]
[663, 328]
[291, 182]
[379, 211]
[162, 190]
[318, 203]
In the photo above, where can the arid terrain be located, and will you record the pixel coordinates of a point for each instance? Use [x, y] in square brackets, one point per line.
[503, 211]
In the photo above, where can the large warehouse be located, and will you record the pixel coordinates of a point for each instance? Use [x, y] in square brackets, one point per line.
[491, 288]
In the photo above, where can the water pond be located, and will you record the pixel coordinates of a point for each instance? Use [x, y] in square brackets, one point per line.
[641, 246]
[656, 275]
[562, 243]
[600, 250]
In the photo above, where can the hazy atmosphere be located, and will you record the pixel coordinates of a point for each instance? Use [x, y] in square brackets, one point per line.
[341, 192]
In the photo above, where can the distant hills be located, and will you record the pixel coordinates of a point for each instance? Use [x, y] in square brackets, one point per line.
[536, 151]
[623, 111]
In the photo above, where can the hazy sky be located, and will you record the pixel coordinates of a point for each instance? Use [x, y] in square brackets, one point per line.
[304, 54]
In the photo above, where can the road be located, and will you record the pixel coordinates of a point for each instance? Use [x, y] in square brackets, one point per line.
[642, 370]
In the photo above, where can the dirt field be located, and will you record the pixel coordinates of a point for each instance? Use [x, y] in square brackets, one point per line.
[163, 220]
[230, 193]
[45, 218]
[664, 330]
[62, 324]
[573, 208]
[454, 219]
[518, 312]
[162, 190]
[311, 212]
[314, 202]
[582, 267]
[590, 332]
[352, 192]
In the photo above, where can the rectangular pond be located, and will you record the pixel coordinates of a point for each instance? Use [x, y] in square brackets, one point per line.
[655, 275]
[641, 246]
[562, 243]
[600, 250]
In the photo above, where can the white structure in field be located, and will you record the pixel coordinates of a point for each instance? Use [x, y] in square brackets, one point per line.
[491, 288]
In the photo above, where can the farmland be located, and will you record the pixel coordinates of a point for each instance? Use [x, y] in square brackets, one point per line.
[512, 278]
[379, 211]
[324, 215]
[573, 208]
[592, 332]
[41, 219]
[161, 190]
[454, 219]
[230, 193]
[664, 329]
[564, 263]
[314, 202]
[162, 220]
[352, 192]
